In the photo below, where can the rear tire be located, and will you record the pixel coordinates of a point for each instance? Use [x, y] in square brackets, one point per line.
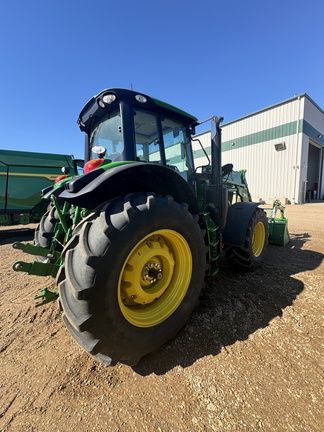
[133, 273]
[251, 255]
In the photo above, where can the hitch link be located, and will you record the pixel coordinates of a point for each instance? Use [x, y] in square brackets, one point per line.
[36, 250]
[36, 268]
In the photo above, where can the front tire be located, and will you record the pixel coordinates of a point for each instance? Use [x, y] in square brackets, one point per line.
[251, 255]
[44, 231]
[133, 273]
[47, 229]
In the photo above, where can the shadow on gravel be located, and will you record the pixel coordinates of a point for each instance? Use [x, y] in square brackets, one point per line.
[11, 235]
[234, 305]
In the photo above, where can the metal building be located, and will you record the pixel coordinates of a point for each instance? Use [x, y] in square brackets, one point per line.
[281, 147]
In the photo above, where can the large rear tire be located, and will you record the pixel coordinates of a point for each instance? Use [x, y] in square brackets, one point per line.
[133, 273]
[251, 255]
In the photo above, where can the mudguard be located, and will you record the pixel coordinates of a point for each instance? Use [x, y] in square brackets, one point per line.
[238, 217]
[56, 190]
[87, 192]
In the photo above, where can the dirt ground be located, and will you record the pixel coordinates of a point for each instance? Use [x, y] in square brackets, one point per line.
[250, 357]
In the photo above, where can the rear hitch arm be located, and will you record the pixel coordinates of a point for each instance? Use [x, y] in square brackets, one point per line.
[36, 268]
[36, 250]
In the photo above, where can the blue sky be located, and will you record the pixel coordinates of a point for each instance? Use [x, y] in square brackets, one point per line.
[227, 58]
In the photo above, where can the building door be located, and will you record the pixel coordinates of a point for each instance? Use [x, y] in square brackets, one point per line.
[314, 171]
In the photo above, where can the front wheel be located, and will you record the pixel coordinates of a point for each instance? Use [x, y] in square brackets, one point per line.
[252, 253]
[47, 229]
[133, 273]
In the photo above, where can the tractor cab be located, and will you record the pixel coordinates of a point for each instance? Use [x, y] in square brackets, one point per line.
[135, 127]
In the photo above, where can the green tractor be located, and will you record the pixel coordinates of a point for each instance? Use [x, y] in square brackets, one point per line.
[131, 240]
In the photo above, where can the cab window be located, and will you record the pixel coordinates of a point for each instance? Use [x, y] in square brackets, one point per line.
[146, 137]
[109, 135]
[174, 138]
[174, 141]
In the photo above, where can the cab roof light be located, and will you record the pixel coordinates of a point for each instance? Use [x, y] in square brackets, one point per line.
[140, 98]
[107, 99]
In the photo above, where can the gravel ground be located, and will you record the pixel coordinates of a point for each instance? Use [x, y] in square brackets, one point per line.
[250, 357]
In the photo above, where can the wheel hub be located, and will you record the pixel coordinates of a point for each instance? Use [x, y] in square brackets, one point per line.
[154, 278]
[153, 272]
[143, 280]
[258, 239]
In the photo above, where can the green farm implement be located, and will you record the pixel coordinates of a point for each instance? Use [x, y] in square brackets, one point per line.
[23, 175]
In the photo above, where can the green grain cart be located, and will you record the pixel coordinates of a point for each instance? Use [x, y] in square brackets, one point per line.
[131, 240]
[23, 175]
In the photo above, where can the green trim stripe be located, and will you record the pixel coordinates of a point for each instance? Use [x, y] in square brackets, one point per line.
[199, 153]
[262, 136]
[268, 135]
[313, 133]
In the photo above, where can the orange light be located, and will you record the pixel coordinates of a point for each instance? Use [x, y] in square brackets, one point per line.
[59, 178]
[91, 165]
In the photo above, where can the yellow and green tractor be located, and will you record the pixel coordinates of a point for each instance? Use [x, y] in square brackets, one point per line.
[131, 239]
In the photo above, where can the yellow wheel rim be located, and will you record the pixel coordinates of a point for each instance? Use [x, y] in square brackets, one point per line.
[155, 278]
[258, 239]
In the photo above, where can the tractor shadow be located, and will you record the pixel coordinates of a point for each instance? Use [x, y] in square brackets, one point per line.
[10, 235]
[234, 305]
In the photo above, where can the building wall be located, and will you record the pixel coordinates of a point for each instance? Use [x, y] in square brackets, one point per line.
[249, 143]
[315, 117]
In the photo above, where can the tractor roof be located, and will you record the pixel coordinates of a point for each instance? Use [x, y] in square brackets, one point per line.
[135, 99]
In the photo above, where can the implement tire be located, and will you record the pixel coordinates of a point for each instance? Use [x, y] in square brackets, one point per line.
[251, 255]
[132, 275]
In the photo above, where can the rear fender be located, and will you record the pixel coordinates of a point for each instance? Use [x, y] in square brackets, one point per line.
[57, 188]
[238, 217]
[129, 178]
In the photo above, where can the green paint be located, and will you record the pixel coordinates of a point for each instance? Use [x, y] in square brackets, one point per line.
[273, 133]
[311, 132]
[262, 136]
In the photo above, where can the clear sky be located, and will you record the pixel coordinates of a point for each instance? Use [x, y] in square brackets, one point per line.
[227, 58]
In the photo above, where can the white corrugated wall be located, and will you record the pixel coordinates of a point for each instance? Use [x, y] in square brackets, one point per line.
[249, 143]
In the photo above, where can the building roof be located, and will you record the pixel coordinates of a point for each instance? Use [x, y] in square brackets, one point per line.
[276, 105]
